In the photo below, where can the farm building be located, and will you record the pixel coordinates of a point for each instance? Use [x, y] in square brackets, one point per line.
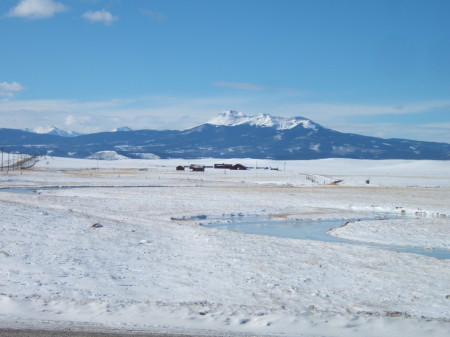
[223, 166]
[197, 168]
[238, 167]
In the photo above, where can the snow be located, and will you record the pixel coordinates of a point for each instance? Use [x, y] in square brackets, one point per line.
[107, 155]
[400, 232]
[146, 155]
[152, 267]
[53, 130]
[233, 118]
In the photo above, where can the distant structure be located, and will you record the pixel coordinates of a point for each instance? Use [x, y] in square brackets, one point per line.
[223, 166]
[230, 166]
[197, 168]
[238, 167]
[201, 168]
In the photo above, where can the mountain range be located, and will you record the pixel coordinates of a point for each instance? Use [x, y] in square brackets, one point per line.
[53, 130]
[230, 134]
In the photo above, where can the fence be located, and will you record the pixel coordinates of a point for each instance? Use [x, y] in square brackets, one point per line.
[10, 161]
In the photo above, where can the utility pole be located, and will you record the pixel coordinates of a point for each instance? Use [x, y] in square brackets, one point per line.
[2, 159]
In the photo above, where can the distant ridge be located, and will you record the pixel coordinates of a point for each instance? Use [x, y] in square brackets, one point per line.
[53, 130]
[230, 134]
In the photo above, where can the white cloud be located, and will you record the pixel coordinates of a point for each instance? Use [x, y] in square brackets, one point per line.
[102, 16]
[336, 111]
[249, 86]
[344, 117]
[37, 9]
[70, 120]
[10, 89]
[13, 86]
[157, 16]
[432, 132]
[155, 112]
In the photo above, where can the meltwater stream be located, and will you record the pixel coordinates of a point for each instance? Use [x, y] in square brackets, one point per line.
[313, 230]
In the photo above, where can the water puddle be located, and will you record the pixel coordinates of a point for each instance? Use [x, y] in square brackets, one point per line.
[313, 230]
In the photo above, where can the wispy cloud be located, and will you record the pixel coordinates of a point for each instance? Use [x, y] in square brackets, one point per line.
[102, 16]
[250, 86]
[156, 112]
[338, 110]
[433, 132]
[157, 16]
[407, 120]
[37, 9]
[10, 89]
[79, 116]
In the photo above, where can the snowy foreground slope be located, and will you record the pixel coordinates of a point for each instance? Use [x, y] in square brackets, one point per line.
[151, 266]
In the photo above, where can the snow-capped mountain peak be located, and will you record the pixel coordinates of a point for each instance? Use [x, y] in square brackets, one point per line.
[123, 129]
[229, 118]
[53, 130]
[233, 118]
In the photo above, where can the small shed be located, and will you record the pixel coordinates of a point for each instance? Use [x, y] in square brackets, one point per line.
[180, 168]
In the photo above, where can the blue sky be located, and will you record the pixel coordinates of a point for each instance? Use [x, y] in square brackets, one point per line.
[372, 67]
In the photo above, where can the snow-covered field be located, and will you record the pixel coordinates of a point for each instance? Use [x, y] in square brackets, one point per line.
[150, 266]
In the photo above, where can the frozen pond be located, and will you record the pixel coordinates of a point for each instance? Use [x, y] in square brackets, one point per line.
[307, 229]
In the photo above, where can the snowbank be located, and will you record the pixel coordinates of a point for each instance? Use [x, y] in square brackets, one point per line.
[429, 233]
